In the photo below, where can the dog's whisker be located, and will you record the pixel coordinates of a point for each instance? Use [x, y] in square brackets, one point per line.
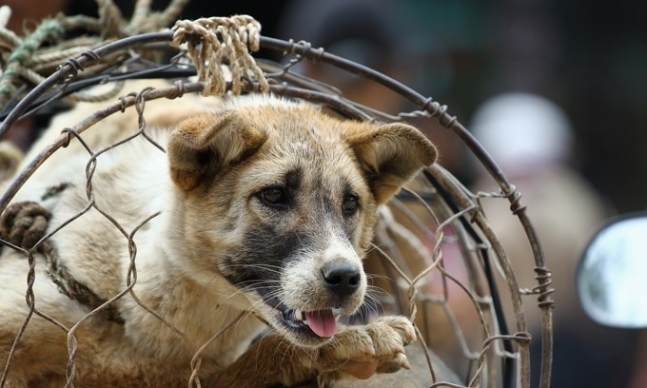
[376, 290]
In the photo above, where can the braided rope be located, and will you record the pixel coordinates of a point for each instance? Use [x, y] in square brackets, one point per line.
[211, 41]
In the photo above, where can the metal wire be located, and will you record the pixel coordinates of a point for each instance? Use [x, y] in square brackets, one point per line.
[499, 357]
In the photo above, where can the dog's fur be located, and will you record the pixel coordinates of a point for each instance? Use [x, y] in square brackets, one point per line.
[257, 198]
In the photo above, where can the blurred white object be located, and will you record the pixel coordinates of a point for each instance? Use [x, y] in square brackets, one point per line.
[523, 131]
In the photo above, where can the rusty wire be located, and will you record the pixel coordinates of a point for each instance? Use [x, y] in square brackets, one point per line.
[445, 200]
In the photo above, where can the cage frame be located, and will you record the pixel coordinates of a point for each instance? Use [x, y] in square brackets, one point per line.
[428, 107]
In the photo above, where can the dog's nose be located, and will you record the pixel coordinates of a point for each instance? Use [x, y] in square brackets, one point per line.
[342, 279]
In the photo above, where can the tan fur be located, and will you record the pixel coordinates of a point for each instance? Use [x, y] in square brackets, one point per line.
[10, 157]
[207, 189]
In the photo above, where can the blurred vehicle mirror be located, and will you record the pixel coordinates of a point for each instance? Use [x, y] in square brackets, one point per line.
[612, 276]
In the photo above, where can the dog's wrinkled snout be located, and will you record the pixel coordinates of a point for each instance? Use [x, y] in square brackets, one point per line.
[341, 278]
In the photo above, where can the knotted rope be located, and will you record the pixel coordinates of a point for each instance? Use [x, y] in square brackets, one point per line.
[210, 42]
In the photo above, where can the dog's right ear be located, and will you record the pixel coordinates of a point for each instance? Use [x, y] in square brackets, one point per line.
[206, 143]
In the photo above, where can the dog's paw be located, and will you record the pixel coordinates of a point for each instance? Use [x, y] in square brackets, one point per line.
[24, 223]
[362, 351]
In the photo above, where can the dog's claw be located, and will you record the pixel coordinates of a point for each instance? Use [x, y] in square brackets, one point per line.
[398, 362]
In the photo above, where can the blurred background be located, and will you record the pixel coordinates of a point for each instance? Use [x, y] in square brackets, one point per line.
[555, 90]
[588, 57]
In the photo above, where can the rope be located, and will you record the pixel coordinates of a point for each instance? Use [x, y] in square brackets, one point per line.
[56, 56]
[48, 29]
[141, 12]
[172, 12]
[6, 35]
[212, 41]
[110, 19]
[5, 15]
[28, 60]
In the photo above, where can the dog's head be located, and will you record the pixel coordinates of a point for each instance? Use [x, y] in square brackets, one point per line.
[280, 200]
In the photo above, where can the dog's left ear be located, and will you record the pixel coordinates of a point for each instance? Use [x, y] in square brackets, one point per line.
[390, 155]
[205, 144]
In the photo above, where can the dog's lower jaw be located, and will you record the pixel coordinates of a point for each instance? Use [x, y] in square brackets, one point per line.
[305, 328]
[298, 333]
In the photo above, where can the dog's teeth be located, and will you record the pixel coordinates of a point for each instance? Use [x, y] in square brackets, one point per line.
[336, 313]
[298, 315]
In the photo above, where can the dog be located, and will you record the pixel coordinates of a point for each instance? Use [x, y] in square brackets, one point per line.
[255, 215]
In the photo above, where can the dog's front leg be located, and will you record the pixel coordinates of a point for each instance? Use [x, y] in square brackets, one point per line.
[355, 351]
[271, 361]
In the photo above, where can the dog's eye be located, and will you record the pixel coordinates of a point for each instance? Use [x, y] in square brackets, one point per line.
[350, 204]
[274, 197]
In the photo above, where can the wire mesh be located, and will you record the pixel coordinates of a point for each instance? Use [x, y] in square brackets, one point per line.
[434, 256]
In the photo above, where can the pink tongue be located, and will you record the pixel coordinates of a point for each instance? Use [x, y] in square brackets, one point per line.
[322, 323]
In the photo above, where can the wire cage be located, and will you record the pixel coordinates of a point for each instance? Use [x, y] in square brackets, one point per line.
[470, 311]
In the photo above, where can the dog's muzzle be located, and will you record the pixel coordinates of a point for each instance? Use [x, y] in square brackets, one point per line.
[340, 285]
